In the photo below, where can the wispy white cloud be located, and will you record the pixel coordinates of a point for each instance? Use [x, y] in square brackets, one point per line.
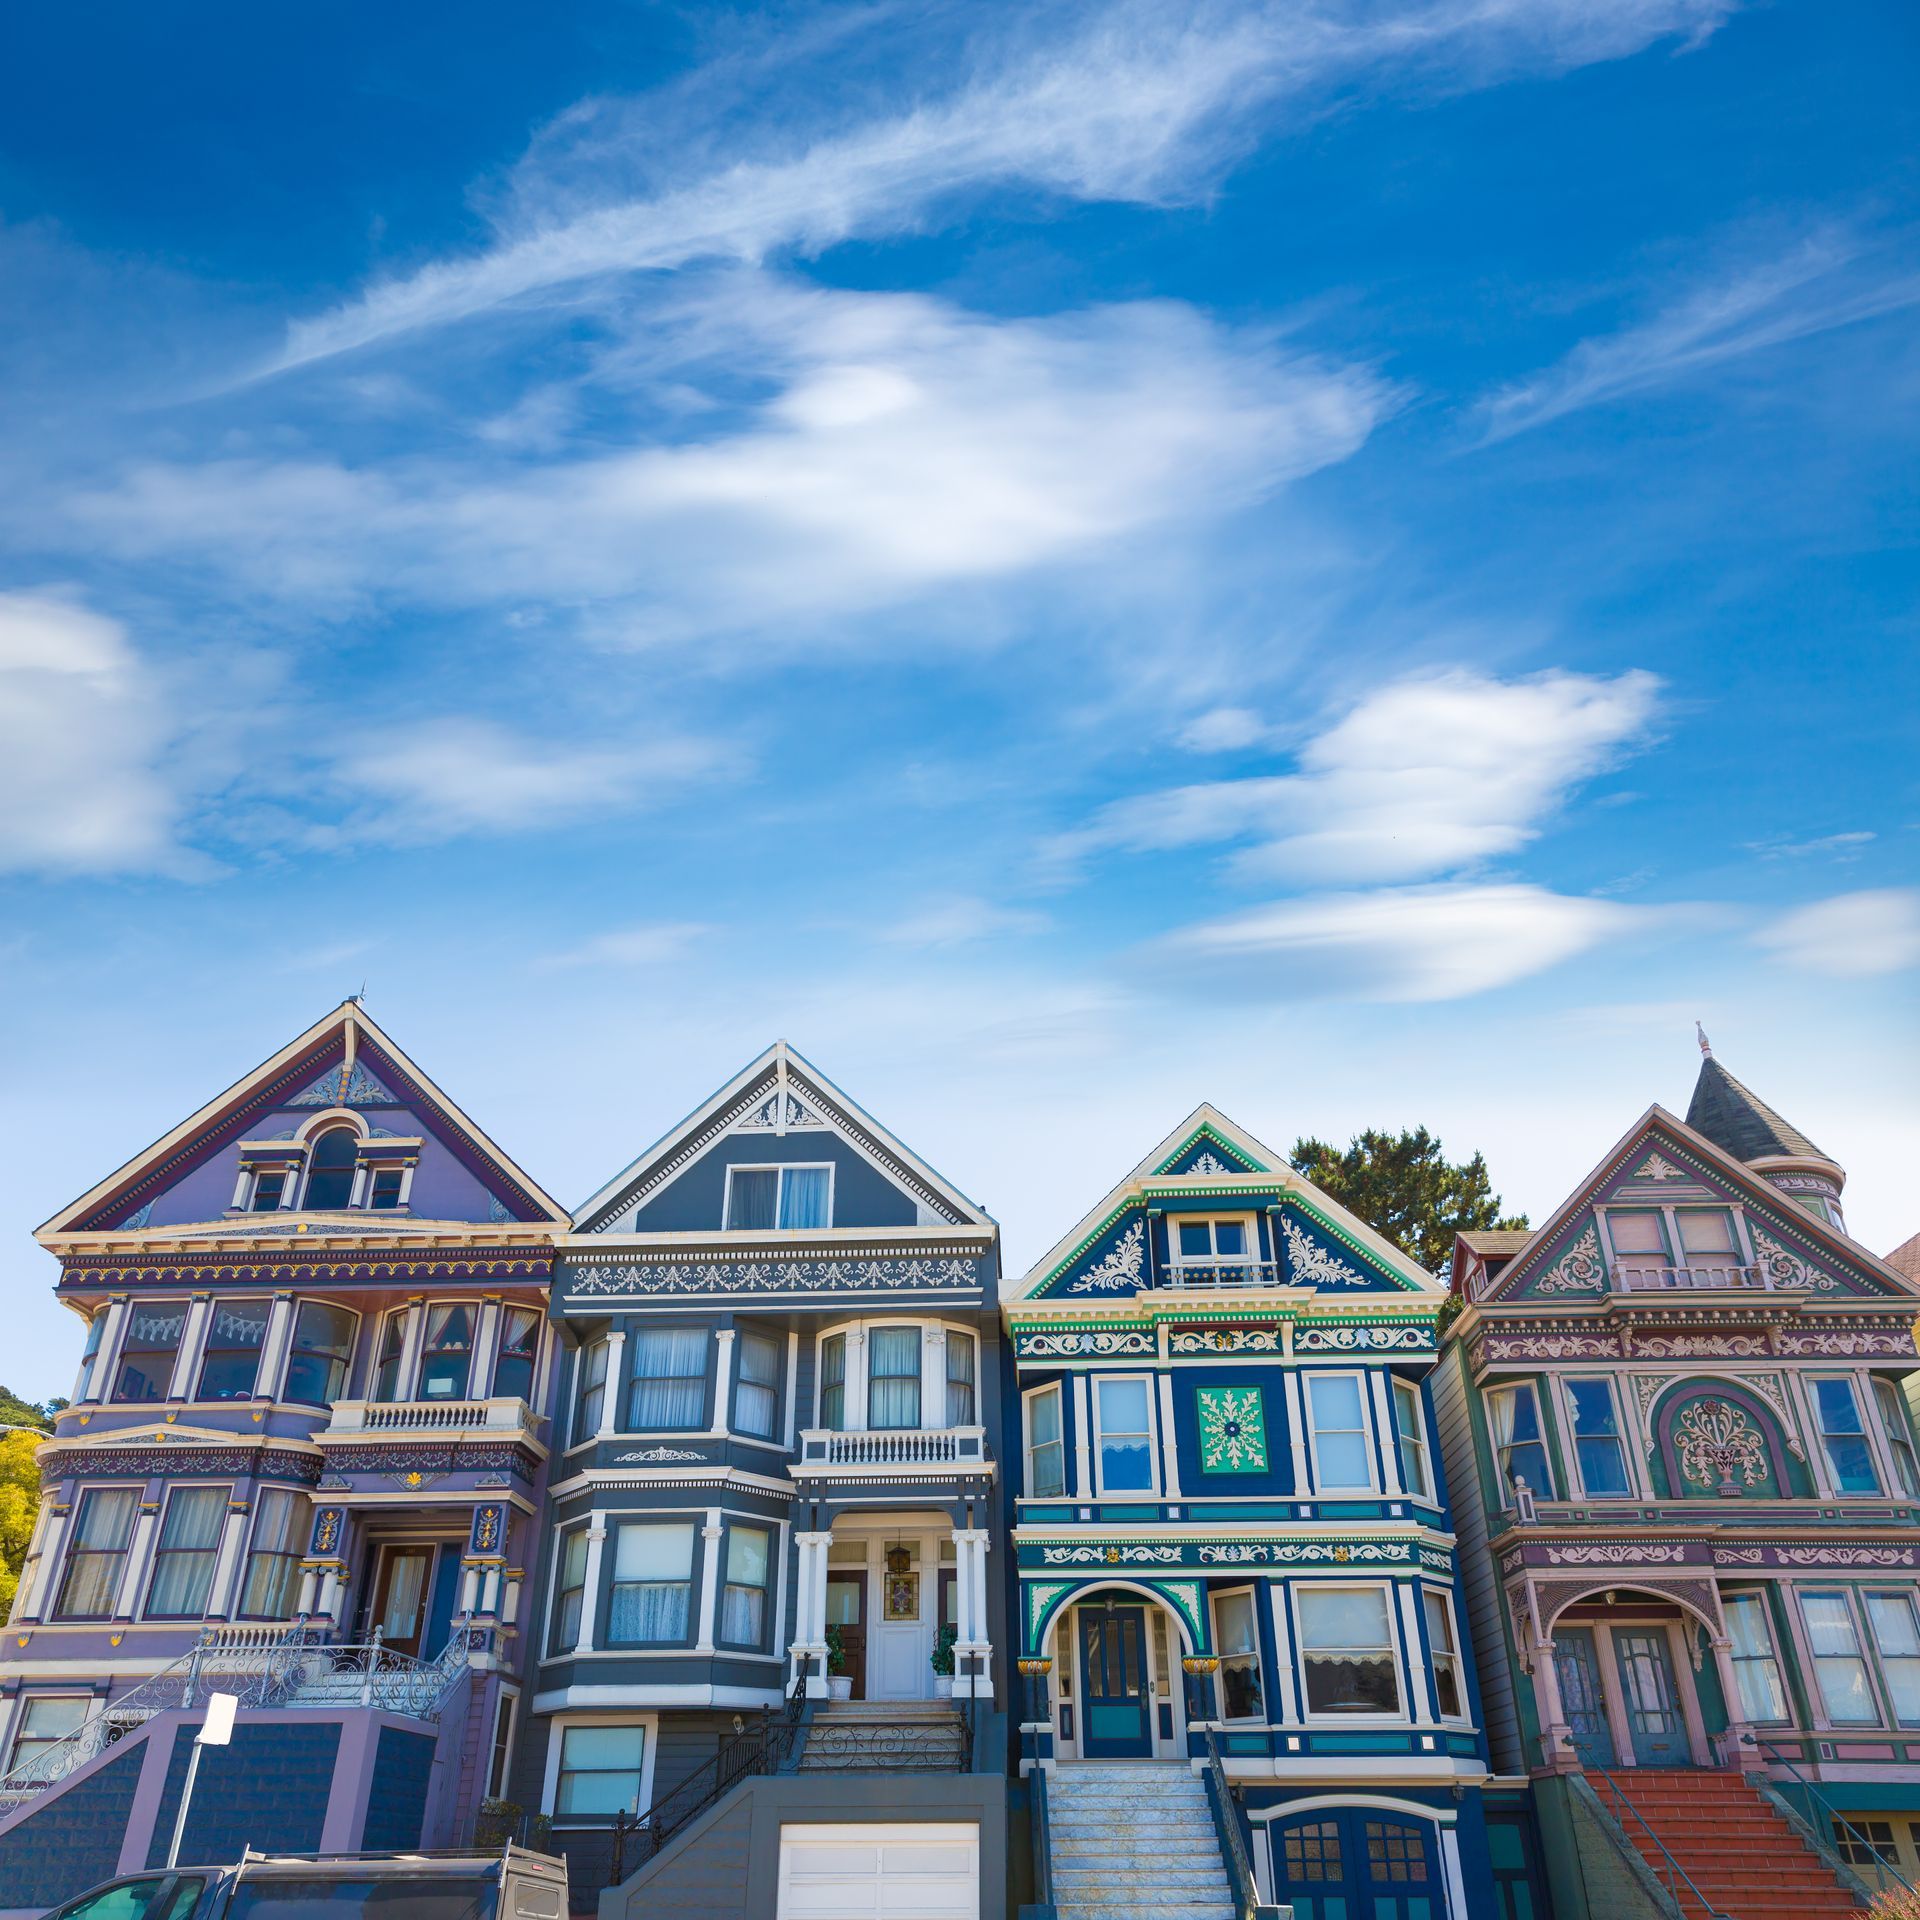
[961, 920]
[1224, 730]
[1825, 846]
[1140, 102]
[83, 730]
[1429, 775]
[649, 945]
[1830, 280]
[1397, 943]
[1851, 936]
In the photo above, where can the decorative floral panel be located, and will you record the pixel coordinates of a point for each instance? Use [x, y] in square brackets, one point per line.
[1233, 1430]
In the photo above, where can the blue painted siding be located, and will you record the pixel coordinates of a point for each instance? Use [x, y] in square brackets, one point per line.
[695, 1201]
[73, 1838]
[397, 1796]
[267, 1790]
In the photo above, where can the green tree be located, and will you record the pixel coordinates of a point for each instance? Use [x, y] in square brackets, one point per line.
[19, 1503]
[1404, 1186]
[15, 1412]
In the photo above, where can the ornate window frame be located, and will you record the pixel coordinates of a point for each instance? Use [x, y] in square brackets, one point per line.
[1369, 1439]
[1156, 1467]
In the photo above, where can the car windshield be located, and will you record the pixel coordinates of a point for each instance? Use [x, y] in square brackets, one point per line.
[332, 1897]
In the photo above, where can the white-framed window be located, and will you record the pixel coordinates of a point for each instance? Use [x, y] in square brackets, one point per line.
[1443, 1652]
[90, 1356]
[760, 1198]
[390, 1358]
[756, 1393]
[269, 1188]
[333, 1154]
[893, 1376]
[1899, 1431]
[320, 1354]
[1756, 1662]
[446, 1354]
[1839, 1664]
[667, 1391]
[962, 1365]
[1410, 1429]
[743, 1598]
[1224, 1249]
[45, 1719]
[149, 1345]
[651, 1601]
[1594, 1416]
[1843, 1434]
[833, 1382]
[1347, 1650]
[518, 1353]
[1338, 1434]
[1895, 1625]
[189, 1541]
[1638, 1237]
[500, 1756]
[1123, 1434]
[1046, 1444]
[598, 1767]
[386, 1188]
[591, 1400]
[96, 1553]
[272, 1581]
[230, 1353]
[1236, 1634]
[1707, 1239]
[569, 1589]
[1520, 1439]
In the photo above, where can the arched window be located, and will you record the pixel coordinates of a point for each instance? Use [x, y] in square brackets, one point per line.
[330, 1170]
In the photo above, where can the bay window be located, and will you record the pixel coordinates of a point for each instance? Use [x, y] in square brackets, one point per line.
[101, 1529]
[569, 1590]
[960, 1380]
[1410, 1426]
[1893, 1417]
[447, 1357]
[1123, 1426]
[393, 1352]
[1443, 1653]
[236, 1331]
[321, 1352]
[1236, 1633]
[652, 1582]
[1046, 1446]
[1843, 1436]
[743, 1600]
[1756, 1666]
[759, 1198]
[1337, 1421]
[1896, 1638]
[1519, 1440]
[893, 1377]
[669, 1380]
[1846, 1689]
[1346, 1646]
[148, 1349]
[1596, 1438]
[756, 1395]
[183, 1561]
[833, 1382]
[272, 1580]
[519, 1351]
[593, 1392]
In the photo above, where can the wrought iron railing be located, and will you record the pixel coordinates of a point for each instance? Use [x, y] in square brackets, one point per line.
[1824, 1841]
[1040, 1839]
[260, 1667]
[1226, 1820]
[1672, 1875]
[942, 1745]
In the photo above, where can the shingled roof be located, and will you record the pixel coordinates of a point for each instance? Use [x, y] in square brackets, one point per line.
[1905, 1258]
[1739, 1122]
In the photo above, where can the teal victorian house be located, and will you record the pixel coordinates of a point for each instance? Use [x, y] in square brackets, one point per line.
[1232, 1541]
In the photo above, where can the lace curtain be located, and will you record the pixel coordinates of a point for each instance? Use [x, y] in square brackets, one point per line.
[893, 1377]
[189, 1538]
[652, 1581]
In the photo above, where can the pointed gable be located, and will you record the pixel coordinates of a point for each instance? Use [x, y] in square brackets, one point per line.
[778, 1112]
[343, 1065]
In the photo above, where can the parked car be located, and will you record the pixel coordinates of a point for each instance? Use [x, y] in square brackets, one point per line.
[513, 1884]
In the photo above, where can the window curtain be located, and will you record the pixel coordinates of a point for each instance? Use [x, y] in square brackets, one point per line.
[572, 1588]
[750, 1198]
[99, 1542]
[803, 1197]
[669, 1379]
[893, 1379]
[960, 1400]
[393, 1347]
[833, 1382]
[273, 1567]
[743, 1605]
[236, 1331]
[322, 1342]
[593, 1392]
[756, 1404]
[449, 1348]
[189, 1537]
[519, 1345]
[652, 1581]
[147, 1351]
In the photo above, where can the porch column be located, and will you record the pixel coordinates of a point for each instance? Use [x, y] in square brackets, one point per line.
[1556, 1736]
[133, 1575]
[616, 1382]
[590, 1599]
[970, 1590]
[36, 1595]
[309, 1591]
[723, 1341]
[709, 1579]
[186, 1362]
[933, 1377]
[226, 1563]
[273, 1347]
[1739, 1732]
[810, 1612]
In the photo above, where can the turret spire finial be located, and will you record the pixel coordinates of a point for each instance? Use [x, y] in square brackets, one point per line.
[1706, 1045]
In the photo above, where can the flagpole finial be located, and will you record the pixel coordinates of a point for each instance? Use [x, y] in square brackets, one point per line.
[1706, 1045]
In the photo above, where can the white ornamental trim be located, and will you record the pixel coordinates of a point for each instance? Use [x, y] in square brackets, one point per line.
[1123, 1269]
[767, 1276]
[1578, 1270]
[1309, 1263]
[1648, 1554]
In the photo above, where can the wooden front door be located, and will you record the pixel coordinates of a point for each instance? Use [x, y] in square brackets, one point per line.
[847, 1613]
[1113, 1667]
[1576, 1665]
[402, 1587]
[1654, 1718]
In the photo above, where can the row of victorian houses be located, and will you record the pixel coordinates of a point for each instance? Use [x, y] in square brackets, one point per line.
[747, 1535]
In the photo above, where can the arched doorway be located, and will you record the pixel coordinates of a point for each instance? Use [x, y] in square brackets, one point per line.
[1116, 1684]
[1625, 1666]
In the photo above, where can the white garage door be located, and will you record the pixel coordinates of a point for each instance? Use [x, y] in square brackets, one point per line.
[880, 1872]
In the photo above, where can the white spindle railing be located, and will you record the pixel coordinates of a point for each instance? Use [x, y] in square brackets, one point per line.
[1696, 1275]
[891, 1448]
[430, 1416]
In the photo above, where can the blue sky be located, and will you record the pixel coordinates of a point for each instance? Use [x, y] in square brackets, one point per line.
[1356, 561]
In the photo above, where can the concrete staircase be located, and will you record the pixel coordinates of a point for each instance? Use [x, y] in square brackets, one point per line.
[1740, 1853]
[1135, 1840]
[885, 1736]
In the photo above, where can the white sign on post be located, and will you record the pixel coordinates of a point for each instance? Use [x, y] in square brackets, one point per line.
[217, 1729]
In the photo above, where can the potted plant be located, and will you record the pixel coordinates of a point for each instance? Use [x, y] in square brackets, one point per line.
[942, 1661]
[839, 1680]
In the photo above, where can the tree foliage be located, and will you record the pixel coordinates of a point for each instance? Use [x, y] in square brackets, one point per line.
[1404, 1186]
[15, 1412]
[19, 1503]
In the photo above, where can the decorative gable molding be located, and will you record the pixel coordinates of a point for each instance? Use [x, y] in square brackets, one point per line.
[782, 1112]
[1122, 1271]
[344, 1086]
[1579, 1270]
[1309, 1264]
[1785, 1268]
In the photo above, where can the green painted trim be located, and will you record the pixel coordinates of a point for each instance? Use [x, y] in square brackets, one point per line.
[1207, 1131]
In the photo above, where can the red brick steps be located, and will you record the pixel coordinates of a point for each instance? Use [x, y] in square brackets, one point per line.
[1742, 1855]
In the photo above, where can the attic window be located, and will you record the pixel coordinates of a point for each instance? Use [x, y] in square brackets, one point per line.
[787, 1197]
[330, 1179]
[269, 1189]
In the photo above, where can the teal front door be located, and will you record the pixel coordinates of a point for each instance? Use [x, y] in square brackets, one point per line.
[1576, 1665]
[1653, 1702]
[1352, 1863]
[1114, 1696]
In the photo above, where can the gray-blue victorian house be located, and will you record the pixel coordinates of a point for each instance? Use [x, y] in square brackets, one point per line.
[1235, 1557]
[776, 1484]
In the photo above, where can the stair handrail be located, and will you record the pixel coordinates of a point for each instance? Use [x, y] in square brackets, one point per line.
[1674, 1867]
[1823, 1842]
[1040, 1838]
[1226, 1818]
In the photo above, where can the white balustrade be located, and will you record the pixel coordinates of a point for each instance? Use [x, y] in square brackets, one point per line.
[890, 1449]
[1651, 1279]
[430, 1416]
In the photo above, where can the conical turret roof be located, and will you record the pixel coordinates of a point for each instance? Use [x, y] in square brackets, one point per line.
[1739, 1122]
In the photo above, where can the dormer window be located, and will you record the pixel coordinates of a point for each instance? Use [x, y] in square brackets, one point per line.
[269, 1189]
[383, 1188]
[1215, 1253]
[330, 1170]
[763, 1198]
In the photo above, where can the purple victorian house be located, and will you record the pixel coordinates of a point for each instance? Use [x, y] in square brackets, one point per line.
[303, 1464]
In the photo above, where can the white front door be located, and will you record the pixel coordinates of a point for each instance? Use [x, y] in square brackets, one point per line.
[879, 1871]
[902, 1633]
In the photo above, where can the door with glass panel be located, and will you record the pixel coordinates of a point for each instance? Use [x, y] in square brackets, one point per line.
[847, 1617]
[1115, 1700]
[402, 1588]
[1356, 1863]
[1576, 1666]
[1652, 1699]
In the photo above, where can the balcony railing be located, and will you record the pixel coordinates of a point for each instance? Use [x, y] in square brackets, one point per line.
[1224, 1273]
[1698, 1274]
[891, 1450]
[359, 1418]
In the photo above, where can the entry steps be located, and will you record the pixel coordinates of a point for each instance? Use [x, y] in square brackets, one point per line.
[1134, 1841]
[1735, 1847]
[885, 1736]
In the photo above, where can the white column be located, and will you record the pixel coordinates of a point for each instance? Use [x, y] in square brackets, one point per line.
[486, 1341]
[309, 1590]
[490, 1591]
[793, 1388]
[106, 1358]
[241, 1182]
[226, 1564]
[810, 1610]
[1082, 1439]
[1169, 1440]
[610, 1417]
[407, 1387]
[1391, 1484]
[1297, 1432]
[273, 1346]
[933, 1377]
[590, 1599]
[186, 1363]
[856, 1391]
[469, 1588]
[709, 1579]
[133, 1575]
[1450, 1869]
[1284, 1678]
[1419, 1667]
[970, 1545]
[330, 1594]
[47, 1567]
[722, 1381]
